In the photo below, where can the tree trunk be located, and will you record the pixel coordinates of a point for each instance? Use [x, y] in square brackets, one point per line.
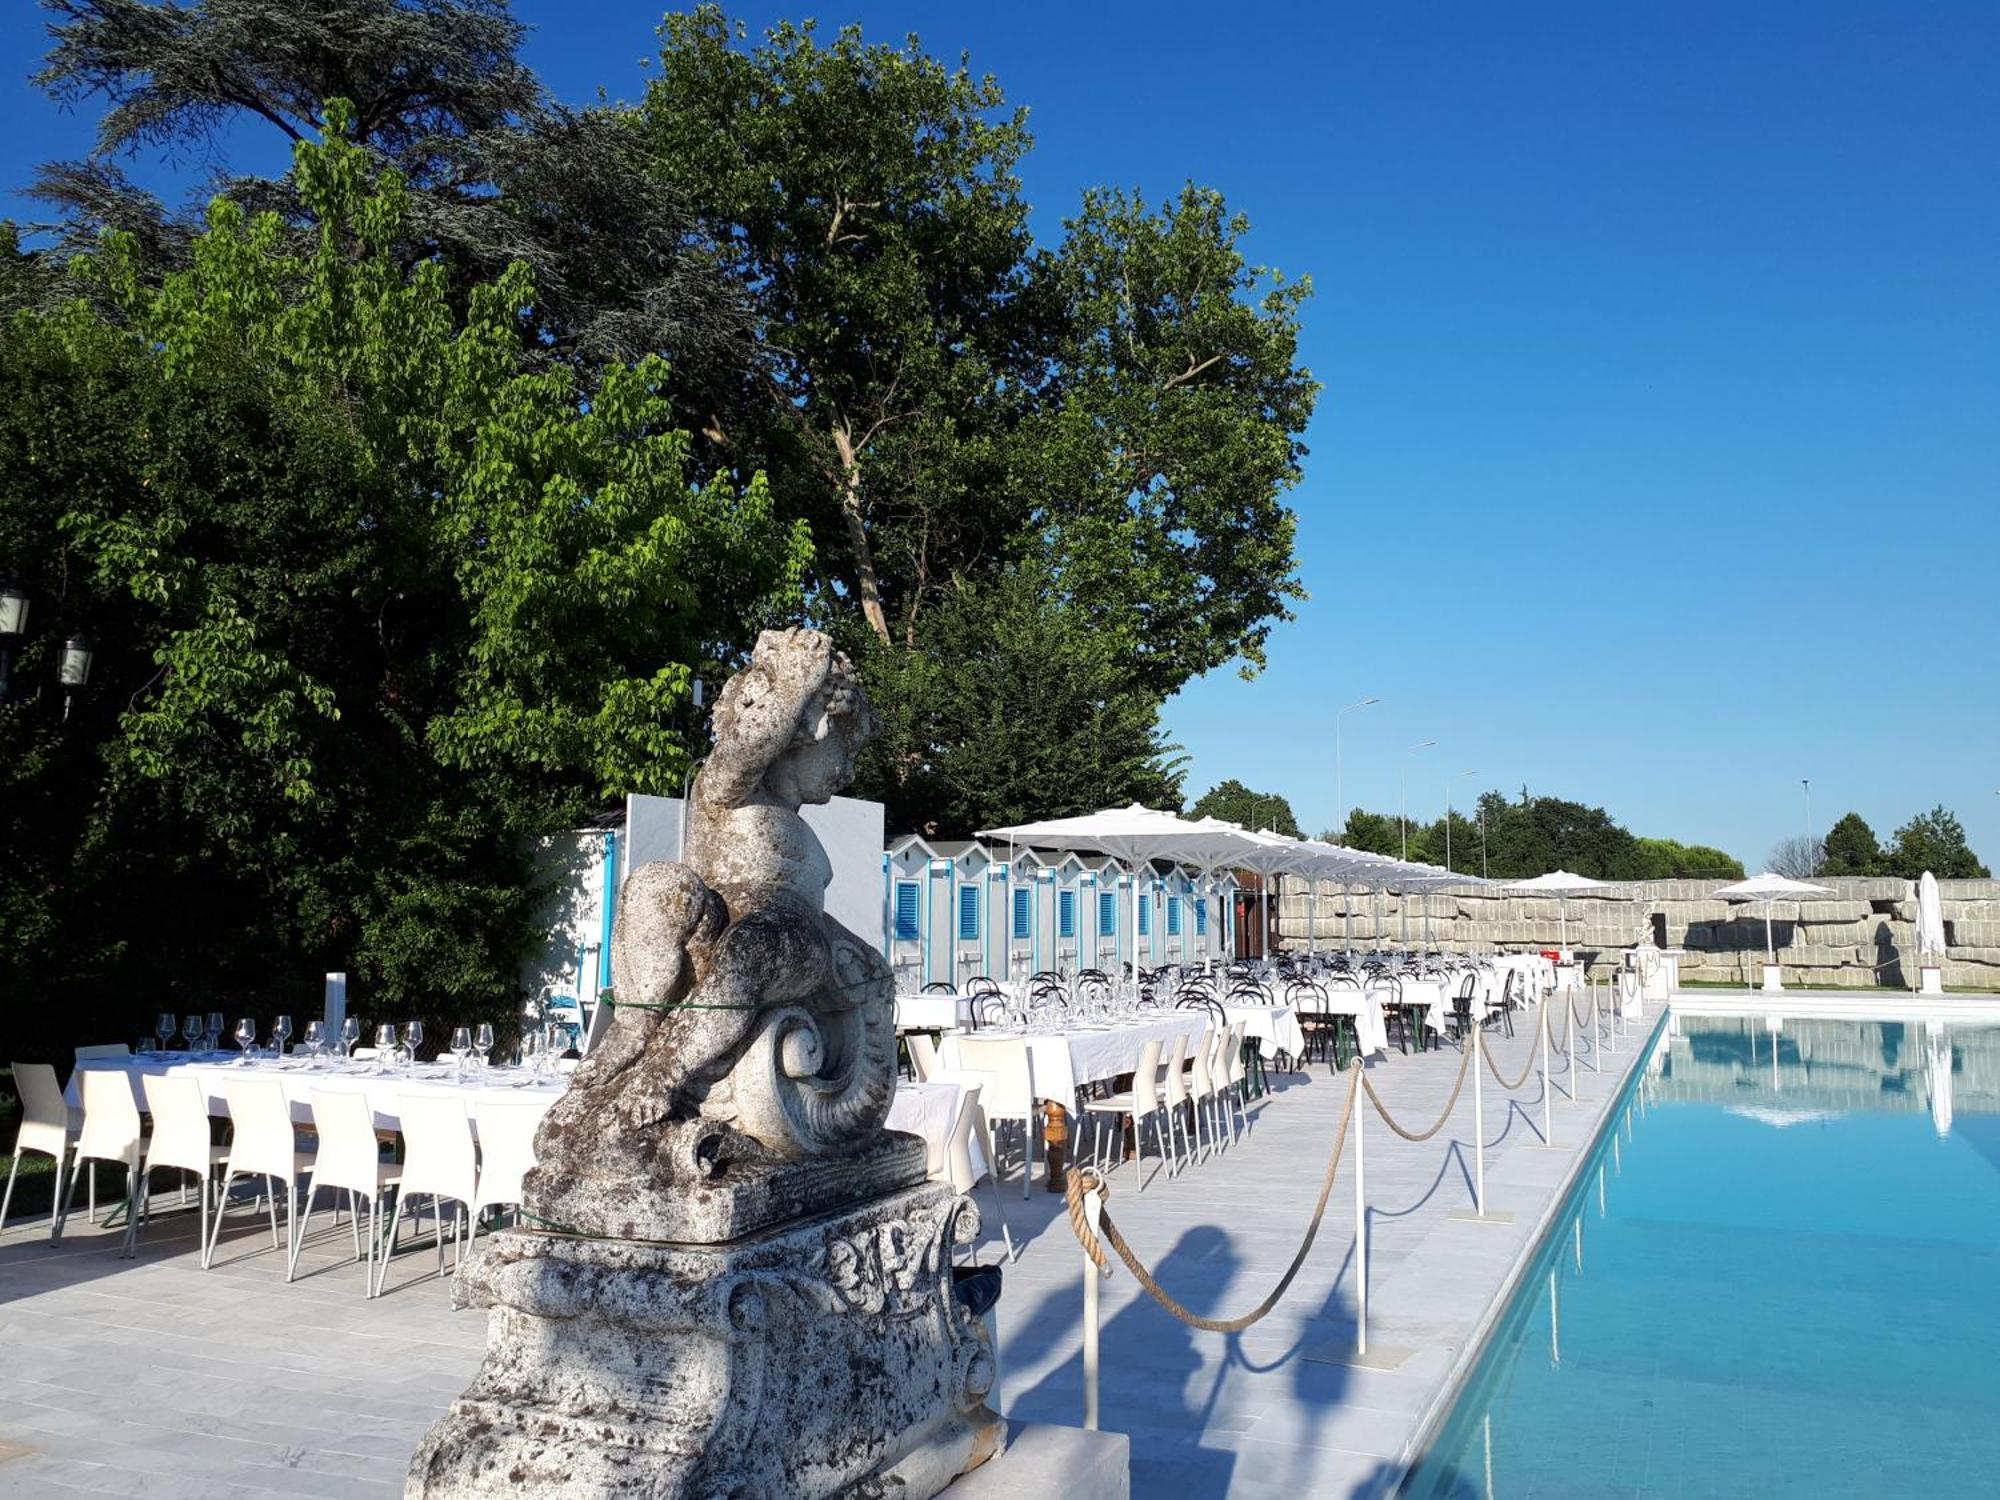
[865, 586]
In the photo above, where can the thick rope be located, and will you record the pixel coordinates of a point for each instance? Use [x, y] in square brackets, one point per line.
[1085, 1181]
[1508, 1085]
[1464, 1066]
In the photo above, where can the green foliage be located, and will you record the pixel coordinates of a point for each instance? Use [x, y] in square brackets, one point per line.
[1851, 848]
[1372, 833]
[1933, 841]
[1234, 802]
[373, 603]
[1669, 859]
[1011, 708]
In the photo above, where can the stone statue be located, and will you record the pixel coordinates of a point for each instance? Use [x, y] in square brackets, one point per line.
[735, 1282]
[751, 1028]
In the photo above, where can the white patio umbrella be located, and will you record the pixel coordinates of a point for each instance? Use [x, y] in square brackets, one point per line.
[1770, 889]
[1133, 835]
[1562, 885]
[1930, 918]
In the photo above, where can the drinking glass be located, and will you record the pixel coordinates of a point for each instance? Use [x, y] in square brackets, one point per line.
[315, 1039]
[246, 1038]
[191, 1029]
[483, 1040]
[350, 1034]
[281, 1032]
[461, 1046]
[531, 1050]
[214, 1030]
[413, 1036]
[164, 1028]
[147, 1045]
[385, 1044]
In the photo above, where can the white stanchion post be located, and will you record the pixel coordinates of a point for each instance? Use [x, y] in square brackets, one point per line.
[1596, 1034]
[1360, 1222]
[1569, 1032]
[1093, 1207]
[1478, 1125]
[1548, 1081]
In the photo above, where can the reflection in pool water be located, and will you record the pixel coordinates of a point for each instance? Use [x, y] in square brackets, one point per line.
[1774, 1278]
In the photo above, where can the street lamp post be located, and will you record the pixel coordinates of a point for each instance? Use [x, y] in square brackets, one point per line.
[1806, 782]
[1340, 765]
[1403, 818]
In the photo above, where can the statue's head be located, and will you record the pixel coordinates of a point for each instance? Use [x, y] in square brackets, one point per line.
[834, 720]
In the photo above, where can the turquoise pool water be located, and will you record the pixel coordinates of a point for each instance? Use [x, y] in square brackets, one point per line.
[1782, 1281]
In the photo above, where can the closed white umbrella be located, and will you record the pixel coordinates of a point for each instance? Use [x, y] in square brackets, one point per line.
[1769, 889]
[1930, 918]
[1562, 885]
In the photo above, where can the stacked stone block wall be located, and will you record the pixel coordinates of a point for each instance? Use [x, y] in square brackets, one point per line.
[1863, 935]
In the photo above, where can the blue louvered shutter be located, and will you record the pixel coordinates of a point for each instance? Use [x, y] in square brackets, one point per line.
[1173, 916]
[1023, 906]
[906, 911]
[1107, 911]
[968, 913]
[1066, 914]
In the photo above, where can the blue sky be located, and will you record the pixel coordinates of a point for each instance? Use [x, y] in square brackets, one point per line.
[1657, 460]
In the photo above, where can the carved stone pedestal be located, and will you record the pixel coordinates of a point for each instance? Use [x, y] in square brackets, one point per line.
[827, 1358]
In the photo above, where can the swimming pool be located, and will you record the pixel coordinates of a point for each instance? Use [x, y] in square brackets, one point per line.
[1778, 1275]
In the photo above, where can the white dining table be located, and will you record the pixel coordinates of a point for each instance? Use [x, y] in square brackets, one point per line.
[926, 1110]
[1068, 1057]
[1275, 1026]
[933, 1012]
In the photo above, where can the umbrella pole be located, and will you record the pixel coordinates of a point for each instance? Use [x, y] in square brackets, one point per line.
[1347, 916]
[1770, 947]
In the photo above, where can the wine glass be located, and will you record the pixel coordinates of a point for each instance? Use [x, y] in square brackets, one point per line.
[483, 1040]
[214, 1030]
[461, 1046]
[385, 1044]
[413, 1036]
[315, 1039]
[164, 1028]
[350, 1033]
[246, 1038]
[531, 1050]
[281, 1032]
[191, 1029]
[147, 1045]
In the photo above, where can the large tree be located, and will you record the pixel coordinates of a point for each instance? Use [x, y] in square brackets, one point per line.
[1934, 841]
[371, 603]
[1120, 412]
[1851, 848]
[1234, 802]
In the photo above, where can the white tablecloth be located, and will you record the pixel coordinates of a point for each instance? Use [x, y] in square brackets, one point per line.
[1065, 1060]
[1371, 1032]
[1275, 1026]
[927, 1110]
[933, 1012]
[298, 1079]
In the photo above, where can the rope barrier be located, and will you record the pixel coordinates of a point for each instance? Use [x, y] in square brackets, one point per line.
[1085, 1181]
[1510, 1084]
[1464, 1065]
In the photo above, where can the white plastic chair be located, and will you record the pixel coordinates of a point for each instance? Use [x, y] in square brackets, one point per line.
[112, 1131]
[262, 1144]
[1139, 1105]
[349, 1160]
[1175, 1096]
[1231, 1076]
[600, 1022]
[1202, 1091]
[959, 1170]
[1006, 1076]
[506, 1152]
[181, 1142]
[439, 1162]
[48, 1128]
[104, 1049]
[923, 1055]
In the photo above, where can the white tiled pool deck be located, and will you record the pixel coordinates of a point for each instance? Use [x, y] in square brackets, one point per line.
[152, 1378]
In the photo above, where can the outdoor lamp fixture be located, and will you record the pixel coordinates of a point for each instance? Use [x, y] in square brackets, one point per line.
[13, 624]
[1340, 765]
[73, 667]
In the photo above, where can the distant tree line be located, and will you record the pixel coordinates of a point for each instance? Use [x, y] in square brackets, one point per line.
[1933, 841]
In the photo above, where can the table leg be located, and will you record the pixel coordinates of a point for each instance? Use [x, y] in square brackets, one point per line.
[1055, 1142]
